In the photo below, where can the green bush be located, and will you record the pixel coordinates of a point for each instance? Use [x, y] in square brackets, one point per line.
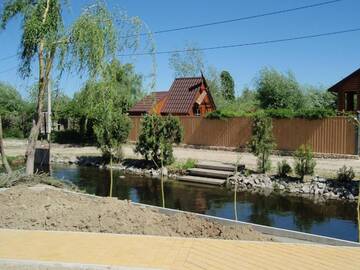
[317, 113]
[220, 114]
[262, 141]
[111, 133]
[304, 161]
[183, 166]
[157, 136]
[284, 168]
[345, 174]
[13, 133]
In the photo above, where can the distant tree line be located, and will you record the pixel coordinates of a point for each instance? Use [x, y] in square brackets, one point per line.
[279, 95]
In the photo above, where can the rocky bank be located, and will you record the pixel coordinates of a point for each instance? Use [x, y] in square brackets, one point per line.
[314, 187]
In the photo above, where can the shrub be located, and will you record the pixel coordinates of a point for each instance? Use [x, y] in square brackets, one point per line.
[345, 174]
[284, 168]
[262, 141]
[304, 161]
[183, 166]
[111, 133]
[157, 136]
[220, 114]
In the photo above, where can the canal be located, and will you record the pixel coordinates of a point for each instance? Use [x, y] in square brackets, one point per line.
[331, 218]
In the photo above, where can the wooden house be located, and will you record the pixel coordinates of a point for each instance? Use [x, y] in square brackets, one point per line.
[188, 96]
[348, 92]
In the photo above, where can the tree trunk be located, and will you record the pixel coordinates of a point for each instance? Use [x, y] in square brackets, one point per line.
[2, 151]
[45, 64]
[111, 176]
[35, 130]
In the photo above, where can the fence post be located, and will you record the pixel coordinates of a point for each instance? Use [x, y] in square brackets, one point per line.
[357, 135]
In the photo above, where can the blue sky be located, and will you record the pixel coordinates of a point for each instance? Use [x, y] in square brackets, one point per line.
[321, 61]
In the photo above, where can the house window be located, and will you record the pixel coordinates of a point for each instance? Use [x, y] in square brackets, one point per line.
[351, 101]
[196, 110]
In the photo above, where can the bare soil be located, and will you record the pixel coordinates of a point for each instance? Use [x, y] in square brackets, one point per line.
[55, 209]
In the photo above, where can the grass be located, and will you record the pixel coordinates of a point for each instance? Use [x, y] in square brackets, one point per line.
[181, 167]
[18, 178]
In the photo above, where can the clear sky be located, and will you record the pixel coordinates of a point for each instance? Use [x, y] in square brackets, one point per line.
[321, 61]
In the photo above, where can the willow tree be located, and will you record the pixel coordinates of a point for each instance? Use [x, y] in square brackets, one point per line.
[84, 46]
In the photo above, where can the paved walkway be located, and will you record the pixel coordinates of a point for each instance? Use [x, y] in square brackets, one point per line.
[171, 253]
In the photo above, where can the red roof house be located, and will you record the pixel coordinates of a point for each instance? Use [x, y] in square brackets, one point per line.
[188, 96]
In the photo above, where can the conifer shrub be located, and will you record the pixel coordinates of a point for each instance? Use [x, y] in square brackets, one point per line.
[157, 135]
[284, 168]
[262, 141]
[345, 174]
[304, 161]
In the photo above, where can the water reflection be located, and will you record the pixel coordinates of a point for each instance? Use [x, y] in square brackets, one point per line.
[331, 218]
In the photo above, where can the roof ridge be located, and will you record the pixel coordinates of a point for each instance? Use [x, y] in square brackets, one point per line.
[184, 78]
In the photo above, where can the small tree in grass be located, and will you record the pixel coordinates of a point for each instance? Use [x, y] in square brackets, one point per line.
[156, 138]
[262, 141]
[111, 132]
[304, 161]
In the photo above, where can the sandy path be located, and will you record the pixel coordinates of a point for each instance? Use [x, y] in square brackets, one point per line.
[324, 166]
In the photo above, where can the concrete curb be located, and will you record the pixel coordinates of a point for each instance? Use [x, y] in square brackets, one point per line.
[271, 231]
[6, 264]
[277, 232]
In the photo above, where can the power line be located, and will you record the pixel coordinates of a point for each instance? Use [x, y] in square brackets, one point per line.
[7, 70]
[247, 44]
[8, 57]
[277, 12]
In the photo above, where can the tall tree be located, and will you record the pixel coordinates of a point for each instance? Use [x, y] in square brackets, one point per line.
[189, 63]
[227, 86]
[85, 45]
[2, 151]
[278, 91]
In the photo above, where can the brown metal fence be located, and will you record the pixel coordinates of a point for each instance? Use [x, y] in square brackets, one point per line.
[332, 135]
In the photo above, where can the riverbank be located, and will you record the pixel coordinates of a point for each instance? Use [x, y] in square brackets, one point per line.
[316, 188]
[44, 208]
[326, 167]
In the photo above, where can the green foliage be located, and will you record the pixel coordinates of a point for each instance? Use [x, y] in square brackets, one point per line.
[345, 174]
[283, 168]
[227, 86]
[311, 114]
[183, 166]
[304, 161]
[42, 23]
[157, 136]
[93, 39]
[276, 90]
[219, 114]
[262, 141]
[13, 110]
[111, 132]
[318, 98]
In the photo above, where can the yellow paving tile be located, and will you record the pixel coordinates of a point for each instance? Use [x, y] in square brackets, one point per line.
[172, 253]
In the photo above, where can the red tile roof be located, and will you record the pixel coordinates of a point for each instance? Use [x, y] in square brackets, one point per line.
[182, 95]
[148, 102]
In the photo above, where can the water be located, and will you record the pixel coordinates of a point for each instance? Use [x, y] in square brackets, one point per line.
[332, 218]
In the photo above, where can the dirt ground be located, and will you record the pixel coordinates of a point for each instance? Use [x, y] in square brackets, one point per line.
[43, 208]
[325, 167]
